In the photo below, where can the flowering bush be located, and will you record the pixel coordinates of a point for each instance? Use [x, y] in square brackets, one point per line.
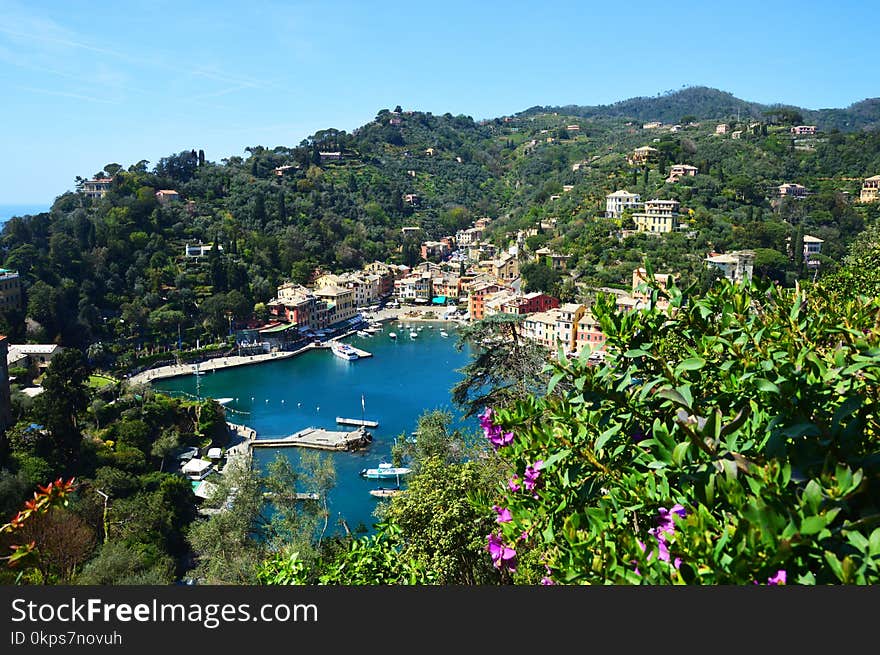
[730, 439]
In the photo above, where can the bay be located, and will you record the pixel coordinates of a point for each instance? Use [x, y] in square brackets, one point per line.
[402, 380]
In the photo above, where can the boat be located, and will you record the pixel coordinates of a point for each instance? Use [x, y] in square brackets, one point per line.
[393, 335]
[383, 492]
[363, 333]
[385, 471]
[444, 333]
[343, 351]
[413, 334]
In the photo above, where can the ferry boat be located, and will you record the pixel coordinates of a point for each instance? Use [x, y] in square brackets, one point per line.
[385, 470]
[343, 351]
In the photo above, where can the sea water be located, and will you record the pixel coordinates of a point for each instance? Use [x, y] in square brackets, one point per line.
[403, 379]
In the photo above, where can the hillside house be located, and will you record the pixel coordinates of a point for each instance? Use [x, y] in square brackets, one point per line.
[644, 155]
[617, 202]
[790, 190]
[721, 128]
[681, 170]
[803, 130]
[659, 216]
[164, 196]
[735, 266]
[870, 189]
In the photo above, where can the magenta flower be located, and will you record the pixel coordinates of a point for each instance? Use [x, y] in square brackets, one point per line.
[667, 523]
[530, 479]
[486, 419]
[501, 555]
[778, 579]
[498, 438]
[513, 484]
[546, 581]
[504, 515]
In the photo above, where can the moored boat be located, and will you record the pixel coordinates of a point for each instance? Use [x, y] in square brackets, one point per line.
[393, 335]
[413, 334]
[385, 471]
[343, 351]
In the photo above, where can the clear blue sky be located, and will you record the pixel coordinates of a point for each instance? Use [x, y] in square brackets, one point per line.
[86, 84]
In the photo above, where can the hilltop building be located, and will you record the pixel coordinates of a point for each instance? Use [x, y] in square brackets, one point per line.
[96, 188]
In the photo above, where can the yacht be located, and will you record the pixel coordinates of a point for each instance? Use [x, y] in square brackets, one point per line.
[343, 351]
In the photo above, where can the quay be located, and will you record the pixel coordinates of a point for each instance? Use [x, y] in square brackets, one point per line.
[318, 438]
[357, 421]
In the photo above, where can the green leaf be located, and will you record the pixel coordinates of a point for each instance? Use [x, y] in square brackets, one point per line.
[813, 525]
[874, 543]
[554, 381]
[691, 364]
[679, 452]
[605, 436]
[674, 396]
[636, 352]
[764, 384]
[555, 457]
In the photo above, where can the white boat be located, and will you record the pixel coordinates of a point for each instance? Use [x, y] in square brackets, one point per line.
[444, 333]
[385, 492]
[384, 471]
[343, 351]
[413, 334]
[393, 335]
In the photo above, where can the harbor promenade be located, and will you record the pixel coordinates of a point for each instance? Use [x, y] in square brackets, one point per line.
[211, 365]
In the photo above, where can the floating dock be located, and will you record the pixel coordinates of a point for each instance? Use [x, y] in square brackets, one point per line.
[319, 438]
[357, 421]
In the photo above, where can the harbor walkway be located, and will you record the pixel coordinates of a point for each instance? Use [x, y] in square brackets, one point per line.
[211, 365]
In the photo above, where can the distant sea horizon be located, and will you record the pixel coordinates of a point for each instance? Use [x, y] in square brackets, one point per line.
[22, 209]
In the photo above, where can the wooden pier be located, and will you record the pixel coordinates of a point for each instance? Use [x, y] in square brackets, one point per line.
[357, 421]
[319, 438]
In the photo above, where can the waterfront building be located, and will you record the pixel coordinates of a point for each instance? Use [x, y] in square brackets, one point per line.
[541, 328]
[566, 325]
[339, 302]
[589, 333]
[641, 294]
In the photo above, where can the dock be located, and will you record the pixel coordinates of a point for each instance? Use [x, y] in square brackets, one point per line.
[357, 421]
[319, 438]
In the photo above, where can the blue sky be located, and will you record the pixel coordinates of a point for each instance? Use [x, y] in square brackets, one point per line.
[88, 84]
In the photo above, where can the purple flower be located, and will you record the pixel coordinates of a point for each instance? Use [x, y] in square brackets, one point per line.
[547, 581]
[667, 523]
[530, 479]
[513, 484]
[486, 419]
[501, 555]
[778, 579]
[504, 515]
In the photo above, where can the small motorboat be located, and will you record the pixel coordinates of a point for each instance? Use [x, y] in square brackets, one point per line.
[413, 334]
[393, 335]
[444, 333]
[384, 471]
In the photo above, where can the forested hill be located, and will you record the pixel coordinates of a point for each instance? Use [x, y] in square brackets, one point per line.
[704, 103]
[111, 273]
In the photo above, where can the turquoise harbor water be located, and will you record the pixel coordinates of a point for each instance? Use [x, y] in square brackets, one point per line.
[403, 379]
